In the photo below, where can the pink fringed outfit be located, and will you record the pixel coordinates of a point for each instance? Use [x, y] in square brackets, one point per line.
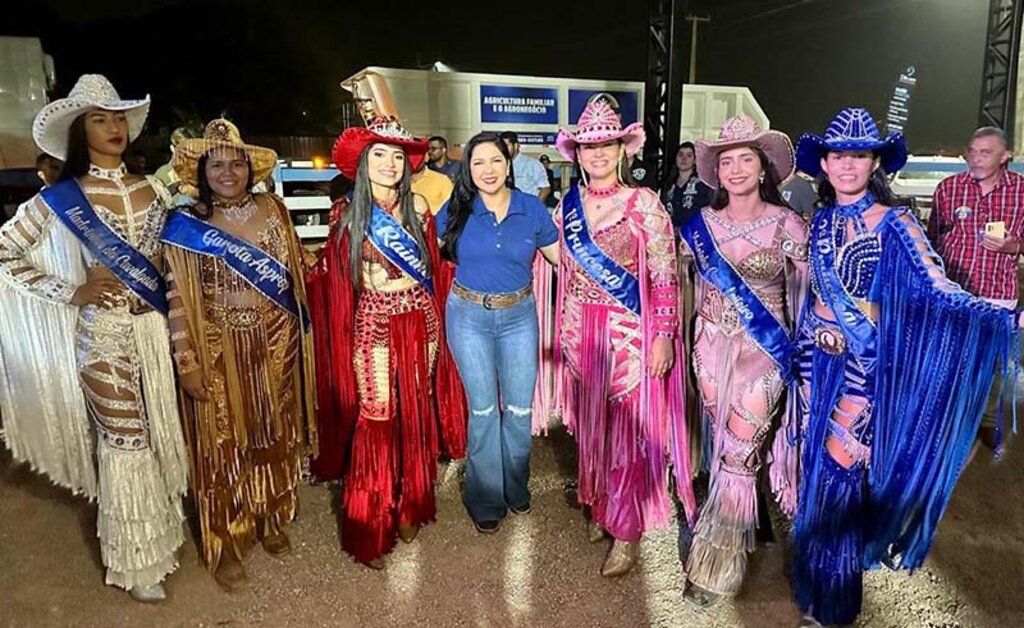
[625, 421]
[740, 388]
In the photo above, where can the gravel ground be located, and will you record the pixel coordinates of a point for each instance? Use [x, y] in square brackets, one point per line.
[538, 570]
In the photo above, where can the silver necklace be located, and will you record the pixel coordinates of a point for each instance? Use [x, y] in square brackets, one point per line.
[240, 212]
[110, 174]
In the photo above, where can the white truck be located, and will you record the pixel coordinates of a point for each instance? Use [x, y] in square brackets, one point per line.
[26, 79]
[457, 105]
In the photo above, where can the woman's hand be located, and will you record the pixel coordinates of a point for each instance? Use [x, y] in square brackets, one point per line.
[662, 357]
[100, 288]
[195, 385]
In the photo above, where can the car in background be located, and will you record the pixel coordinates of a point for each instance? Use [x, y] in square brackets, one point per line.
[922, 174]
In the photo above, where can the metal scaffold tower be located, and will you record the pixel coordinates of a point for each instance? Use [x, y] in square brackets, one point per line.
[667, 45]
[999, 73]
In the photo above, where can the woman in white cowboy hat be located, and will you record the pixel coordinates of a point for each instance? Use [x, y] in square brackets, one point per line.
[618, 380]
[243, 347]
[749, 249]
[896, 362]
[82, 310]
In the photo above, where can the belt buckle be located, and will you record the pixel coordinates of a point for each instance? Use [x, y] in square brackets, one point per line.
[486, 302]
[830, 340]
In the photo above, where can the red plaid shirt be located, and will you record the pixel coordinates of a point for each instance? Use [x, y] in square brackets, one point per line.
[956, 226]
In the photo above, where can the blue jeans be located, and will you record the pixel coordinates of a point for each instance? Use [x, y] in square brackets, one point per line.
[496, 350]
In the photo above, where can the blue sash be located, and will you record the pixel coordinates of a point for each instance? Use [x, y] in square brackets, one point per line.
[69, 203]
[858, 329]
[762, 326]
[257, 267]
[392, 240]
[622, 285]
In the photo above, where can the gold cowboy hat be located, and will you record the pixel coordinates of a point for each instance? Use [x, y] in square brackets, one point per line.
[219, 133]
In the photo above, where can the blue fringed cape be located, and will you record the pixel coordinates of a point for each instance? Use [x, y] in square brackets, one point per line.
[938, 350]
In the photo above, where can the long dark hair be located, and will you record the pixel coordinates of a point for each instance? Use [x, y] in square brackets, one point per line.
[203, 208]
[460, 206]
[356, 217]
[768, 188]
[76, 158]
[878, 185]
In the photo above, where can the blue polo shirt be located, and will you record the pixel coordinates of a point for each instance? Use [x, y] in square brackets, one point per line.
[498, 257]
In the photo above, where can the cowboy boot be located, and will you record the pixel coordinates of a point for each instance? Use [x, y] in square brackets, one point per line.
[621, 558]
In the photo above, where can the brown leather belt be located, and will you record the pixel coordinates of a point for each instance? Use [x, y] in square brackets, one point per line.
[498, 301]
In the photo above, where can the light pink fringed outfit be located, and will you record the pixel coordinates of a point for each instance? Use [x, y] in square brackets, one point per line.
[626, 422]
[740, 388]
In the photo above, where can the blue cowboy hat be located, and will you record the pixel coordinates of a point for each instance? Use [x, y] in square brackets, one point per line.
[853, 129]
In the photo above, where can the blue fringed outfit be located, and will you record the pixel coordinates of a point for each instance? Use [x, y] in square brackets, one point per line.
[924, 368]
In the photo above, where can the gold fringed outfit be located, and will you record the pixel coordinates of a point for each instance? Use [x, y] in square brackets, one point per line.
[249, 441]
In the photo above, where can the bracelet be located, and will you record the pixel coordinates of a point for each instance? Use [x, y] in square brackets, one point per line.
[179, 335]
[187, 361]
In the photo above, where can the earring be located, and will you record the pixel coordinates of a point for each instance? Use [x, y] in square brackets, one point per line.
[583, 177]
[620, 171]
[760, 177]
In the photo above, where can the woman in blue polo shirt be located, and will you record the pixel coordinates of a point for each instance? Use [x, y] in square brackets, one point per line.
[491, 231]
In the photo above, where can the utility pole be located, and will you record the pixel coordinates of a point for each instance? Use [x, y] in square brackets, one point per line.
[694, 20]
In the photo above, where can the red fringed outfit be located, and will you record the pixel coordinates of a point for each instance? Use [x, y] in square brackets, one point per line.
[389, 393]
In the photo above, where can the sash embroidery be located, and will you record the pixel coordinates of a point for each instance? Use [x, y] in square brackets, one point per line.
[392, 240]
[762, 326]
[71, 206]
[858, 329]
[257, 267]
[618, 282]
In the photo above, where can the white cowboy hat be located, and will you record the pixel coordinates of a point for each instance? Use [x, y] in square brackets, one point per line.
[92, 91]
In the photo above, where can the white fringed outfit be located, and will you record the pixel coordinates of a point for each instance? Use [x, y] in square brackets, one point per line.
[61, 365]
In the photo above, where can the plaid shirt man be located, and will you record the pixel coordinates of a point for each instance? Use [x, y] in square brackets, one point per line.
[957, 223]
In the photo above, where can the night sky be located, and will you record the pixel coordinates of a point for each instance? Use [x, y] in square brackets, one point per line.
[274, 67]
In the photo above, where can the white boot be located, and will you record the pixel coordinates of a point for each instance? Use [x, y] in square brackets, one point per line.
[150, 594]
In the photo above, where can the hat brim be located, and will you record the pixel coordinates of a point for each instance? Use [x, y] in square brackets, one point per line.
[892, 151]
[52, 124]
[188, 152]
[774, 144]
[354, 140]
[632, 137]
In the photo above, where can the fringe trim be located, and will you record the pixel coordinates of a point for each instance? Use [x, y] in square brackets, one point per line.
[828, 577]
[369, 522]
[152, 338]
[140, 521]
[725, 534]
[940, 347]
[45, 422]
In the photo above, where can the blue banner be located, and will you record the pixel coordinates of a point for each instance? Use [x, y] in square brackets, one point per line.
[622, 285]
[394, 242]
[858, 329]
[762, 326]
[258, 268]
[69, 203]
[626, 102]
[518, 105]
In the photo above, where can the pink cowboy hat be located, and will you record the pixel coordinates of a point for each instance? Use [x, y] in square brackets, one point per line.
[743, 131]
[599, 123]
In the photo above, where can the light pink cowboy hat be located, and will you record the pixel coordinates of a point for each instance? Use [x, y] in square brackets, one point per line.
[599, 123]
[743, 131]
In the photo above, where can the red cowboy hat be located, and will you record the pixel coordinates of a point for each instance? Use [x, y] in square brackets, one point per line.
[354, 140]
